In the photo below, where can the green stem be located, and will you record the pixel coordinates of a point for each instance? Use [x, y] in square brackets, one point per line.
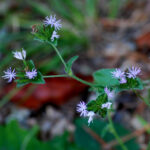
[25, 63]
[58, 53]
[115, 133]
[82, 81]
[73, 76]
[142, 98]
[55, 76]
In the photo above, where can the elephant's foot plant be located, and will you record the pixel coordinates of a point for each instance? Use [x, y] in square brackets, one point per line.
[107, 82]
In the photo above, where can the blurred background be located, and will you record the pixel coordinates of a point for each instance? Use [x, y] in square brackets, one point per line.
[105, 34]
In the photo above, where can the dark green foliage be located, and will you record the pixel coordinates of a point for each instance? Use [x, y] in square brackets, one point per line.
[14, 137]
[132, 84]
[88, 142]
[95, 105]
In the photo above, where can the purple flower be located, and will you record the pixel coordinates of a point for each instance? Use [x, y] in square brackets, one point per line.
[9, 74]
[53, 22]
[82, 109]
[20, 54]
[133, 72]
[110, 94]
[118, 74]
[90, 115]
[31, 74]
[106, 105]
[54, 35]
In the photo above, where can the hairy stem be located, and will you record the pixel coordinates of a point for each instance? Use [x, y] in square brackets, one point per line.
[115, 133]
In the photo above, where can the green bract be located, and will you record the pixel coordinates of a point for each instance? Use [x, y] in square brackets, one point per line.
[44, 33]
[23, 80]
[95, 105]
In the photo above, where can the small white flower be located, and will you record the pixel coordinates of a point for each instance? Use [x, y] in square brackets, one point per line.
[9, 74]
[110, 94]
[31, 74]
[118, 74]
[53, 22]
[90, 115]
[54, 35]
[82, 109]
[133, 72]
[106, 105]
[20, 54]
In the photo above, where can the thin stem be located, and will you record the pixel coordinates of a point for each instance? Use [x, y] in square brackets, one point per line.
[73, 76]
[25, 63]
[82, 81]
[142, 98]
[58, 53]
[55, 76]
[115, 133]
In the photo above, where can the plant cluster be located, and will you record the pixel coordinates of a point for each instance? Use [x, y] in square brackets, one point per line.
[107, 82]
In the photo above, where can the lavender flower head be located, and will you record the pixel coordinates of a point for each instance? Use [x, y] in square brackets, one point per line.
[9, 74]
[53, 22]
[118, 74]
[31, 74]
[90, 115]
[106, 105]
[110, 94]
[82, 109]
[133, 72]
[54, 35]
[21, 55]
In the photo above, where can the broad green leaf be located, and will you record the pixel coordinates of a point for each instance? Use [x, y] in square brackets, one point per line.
[104, 77]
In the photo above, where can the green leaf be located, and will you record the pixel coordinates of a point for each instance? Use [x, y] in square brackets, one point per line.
[95, 105]
[70, 63]
[104, 78]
